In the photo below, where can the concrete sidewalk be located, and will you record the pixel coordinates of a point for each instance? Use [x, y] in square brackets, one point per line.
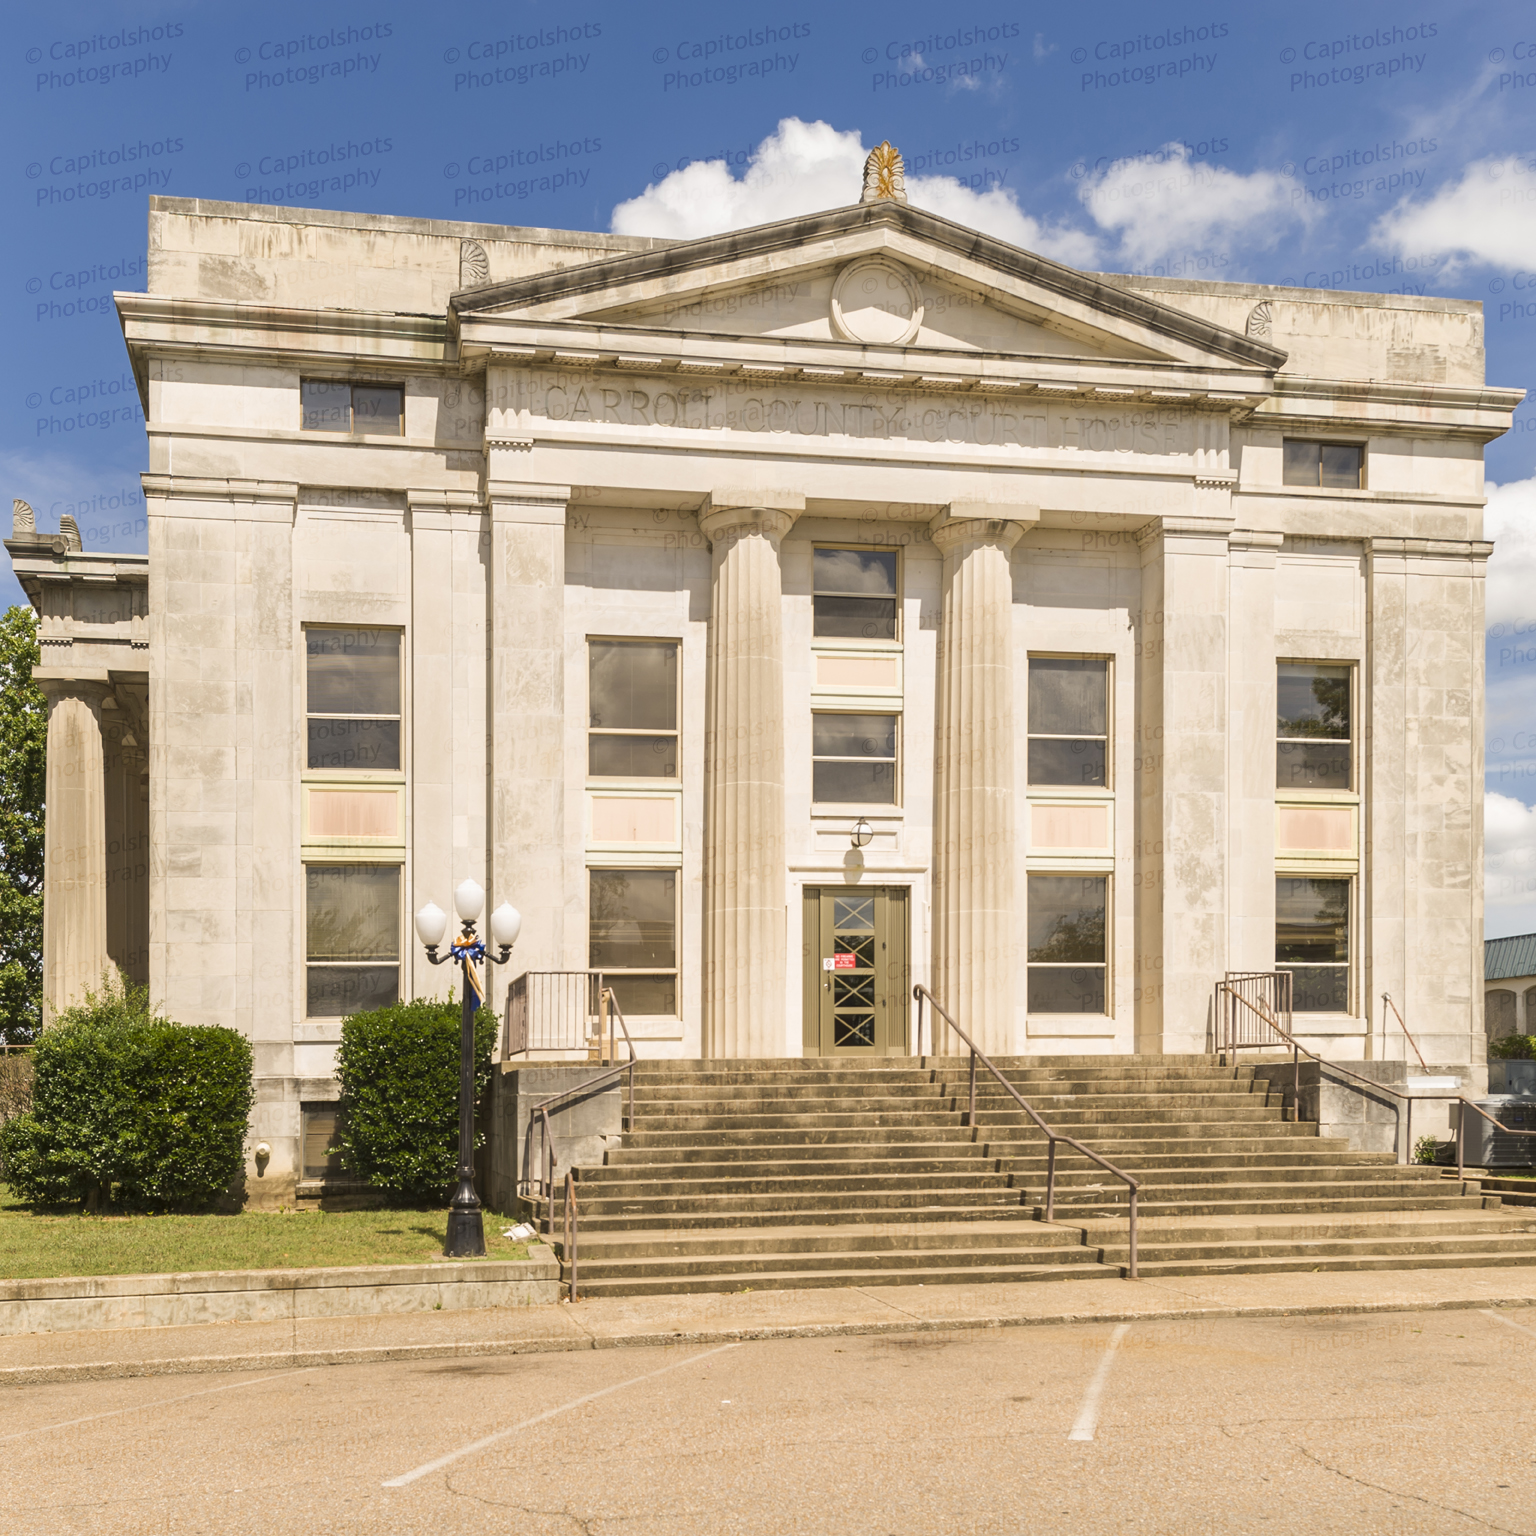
[617, 1323]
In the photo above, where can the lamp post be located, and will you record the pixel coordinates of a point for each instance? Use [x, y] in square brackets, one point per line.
[466, 1230]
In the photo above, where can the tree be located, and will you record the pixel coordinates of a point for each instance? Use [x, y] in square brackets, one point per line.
[23, 754]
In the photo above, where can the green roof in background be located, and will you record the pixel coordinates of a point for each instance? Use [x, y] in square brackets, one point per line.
[1514, 956]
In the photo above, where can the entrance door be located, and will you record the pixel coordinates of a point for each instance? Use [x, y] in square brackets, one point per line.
[856, 971]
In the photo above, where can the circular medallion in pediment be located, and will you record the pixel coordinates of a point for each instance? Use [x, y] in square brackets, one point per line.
[877, 301]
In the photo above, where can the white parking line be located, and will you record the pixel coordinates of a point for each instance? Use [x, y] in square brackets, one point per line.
[1498, 1317]
[1088, 1415]
[539, 1418]
[162, 1402]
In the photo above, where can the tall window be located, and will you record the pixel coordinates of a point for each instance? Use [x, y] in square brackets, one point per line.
[855, 594]
[1313, 750]
[632, 709]
[1067, 954]
[352, 698]
[376, 410]
[1334, 466]
[351, 937]
[633, 936]
[1312, 941]
[1068, 720]
[853, 758]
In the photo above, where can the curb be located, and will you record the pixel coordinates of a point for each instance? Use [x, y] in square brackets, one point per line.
[310, 1359]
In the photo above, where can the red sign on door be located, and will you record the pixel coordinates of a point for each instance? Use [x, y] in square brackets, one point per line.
[844, 962]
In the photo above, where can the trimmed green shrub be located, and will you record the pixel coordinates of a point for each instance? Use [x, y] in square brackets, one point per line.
[131, 1109]
[399, 1072]
[1513, 1048]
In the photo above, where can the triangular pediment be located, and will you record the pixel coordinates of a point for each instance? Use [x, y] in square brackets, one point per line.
[877, 275]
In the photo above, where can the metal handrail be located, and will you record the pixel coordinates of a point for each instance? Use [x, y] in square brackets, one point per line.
[920, 992]
[541, 1111]
[1386, 998]
[572, 1235]
[1408, 1098]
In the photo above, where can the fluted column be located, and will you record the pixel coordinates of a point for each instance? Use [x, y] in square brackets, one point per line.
[974, 899]
[744, 884]
[75, 846]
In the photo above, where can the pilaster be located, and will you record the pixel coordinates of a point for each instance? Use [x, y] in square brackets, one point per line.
[1182, 777]
[1251, 738]
[526, 707]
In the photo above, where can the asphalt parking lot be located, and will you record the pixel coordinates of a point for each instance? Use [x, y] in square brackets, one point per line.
[1400, 1423]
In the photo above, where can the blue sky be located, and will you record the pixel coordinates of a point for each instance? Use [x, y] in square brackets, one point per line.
[1356, 146]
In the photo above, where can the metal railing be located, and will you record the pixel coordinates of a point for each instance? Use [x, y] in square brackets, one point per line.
[1386, 1002]
[922, 994]
[551, 1011]
[1405, 1141]
[609, 1015]
[572, 1237]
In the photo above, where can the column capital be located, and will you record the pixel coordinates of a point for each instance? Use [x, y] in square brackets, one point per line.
[981, 522]
[729, 515]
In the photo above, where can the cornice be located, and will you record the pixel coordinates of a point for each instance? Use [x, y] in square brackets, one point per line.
[766, 361]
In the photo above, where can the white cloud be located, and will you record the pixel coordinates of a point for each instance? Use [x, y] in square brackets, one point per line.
[1510, 521]
[805, 167]
[1488, 216]
[1167, 204]
[1509, 865]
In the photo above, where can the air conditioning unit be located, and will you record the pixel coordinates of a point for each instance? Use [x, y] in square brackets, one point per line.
[1487, 1146]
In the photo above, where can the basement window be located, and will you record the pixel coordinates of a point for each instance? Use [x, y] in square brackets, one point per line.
[1067, 953]
[319, 1125]
[632, 919]
[1312, 941]
[364, 410]
[1332, 466]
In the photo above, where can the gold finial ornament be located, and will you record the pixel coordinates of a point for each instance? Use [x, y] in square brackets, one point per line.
[885, 176]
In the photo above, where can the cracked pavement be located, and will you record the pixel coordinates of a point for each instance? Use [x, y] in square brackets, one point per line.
[1392, 1423]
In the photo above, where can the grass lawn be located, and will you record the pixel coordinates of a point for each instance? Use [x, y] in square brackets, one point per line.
[40, 1246]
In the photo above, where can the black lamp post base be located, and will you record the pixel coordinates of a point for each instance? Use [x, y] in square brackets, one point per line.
[466, 1234]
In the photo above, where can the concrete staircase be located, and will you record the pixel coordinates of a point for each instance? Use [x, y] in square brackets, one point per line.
[817, 1172]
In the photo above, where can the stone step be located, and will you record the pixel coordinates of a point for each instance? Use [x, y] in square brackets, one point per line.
[1159, 1269]
[1361, 1247]
[1268, 1204]
[643, 1161]
[732, 1217]
[853, 1116]
[1277, 1133]
[1052, 1085]
[601, 1266]
[664, 1283]
[614, 1183]
[880, 1198]
[937, 1237]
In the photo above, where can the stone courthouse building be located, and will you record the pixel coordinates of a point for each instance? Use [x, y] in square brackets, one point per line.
[776, 619]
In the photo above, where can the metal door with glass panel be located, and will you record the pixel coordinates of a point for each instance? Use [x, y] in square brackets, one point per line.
[856, 971]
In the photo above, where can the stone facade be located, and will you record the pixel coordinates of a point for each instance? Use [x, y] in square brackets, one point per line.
[609, 439]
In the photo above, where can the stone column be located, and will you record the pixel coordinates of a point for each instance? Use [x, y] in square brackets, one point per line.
[75, 845]
[976, 974]
[744, 883]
